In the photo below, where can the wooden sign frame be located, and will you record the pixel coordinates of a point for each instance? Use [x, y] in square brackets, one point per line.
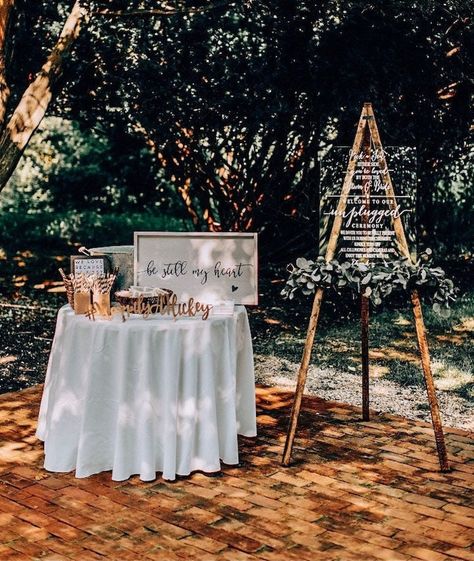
[216, 247]
[367, 134]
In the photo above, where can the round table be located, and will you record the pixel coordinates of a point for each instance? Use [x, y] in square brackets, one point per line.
[147, 395]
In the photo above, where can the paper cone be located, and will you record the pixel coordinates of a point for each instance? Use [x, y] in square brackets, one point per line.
[82, 302]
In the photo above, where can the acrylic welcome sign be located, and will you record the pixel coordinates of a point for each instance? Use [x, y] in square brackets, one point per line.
[367, 231]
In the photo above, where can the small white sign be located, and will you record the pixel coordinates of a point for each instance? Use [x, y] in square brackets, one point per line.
[88, 265]
[207, 266]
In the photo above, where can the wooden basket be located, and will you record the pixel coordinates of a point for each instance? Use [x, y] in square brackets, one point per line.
[69, 286]
[123, 298]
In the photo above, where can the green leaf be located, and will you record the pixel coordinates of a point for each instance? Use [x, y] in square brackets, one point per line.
[445, 312]
[383, 279]
[302, 263]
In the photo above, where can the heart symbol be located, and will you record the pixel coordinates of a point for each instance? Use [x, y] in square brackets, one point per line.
[234, 288]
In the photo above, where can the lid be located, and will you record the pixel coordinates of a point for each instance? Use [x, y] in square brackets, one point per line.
[127, 249]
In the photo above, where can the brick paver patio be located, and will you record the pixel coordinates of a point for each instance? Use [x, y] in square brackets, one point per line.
[357, 491]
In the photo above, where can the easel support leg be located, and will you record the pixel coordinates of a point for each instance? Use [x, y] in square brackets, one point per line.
[302, 374]
[430, 388]
[364, 324]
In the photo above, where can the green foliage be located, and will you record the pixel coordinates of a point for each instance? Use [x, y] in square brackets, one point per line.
[34, 245]
[76, 188]
[235, 103]
[63, 231]
[374, 280]
[66, 168]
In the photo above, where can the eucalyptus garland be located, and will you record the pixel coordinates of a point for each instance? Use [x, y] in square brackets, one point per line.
[375, 280]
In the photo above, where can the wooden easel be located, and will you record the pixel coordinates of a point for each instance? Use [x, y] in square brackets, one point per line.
[367, 133]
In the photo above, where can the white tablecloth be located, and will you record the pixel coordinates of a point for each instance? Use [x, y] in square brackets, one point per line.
[147, 395]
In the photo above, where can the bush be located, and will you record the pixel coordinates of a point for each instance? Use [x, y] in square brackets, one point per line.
[59, 231]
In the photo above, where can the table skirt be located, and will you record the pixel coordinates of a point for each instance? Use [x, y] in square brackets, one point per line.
[147, 395]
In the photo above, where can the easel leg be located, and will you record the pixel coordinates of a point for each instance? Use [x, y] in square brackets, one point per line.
[302, 374]
[430, 388]
[364, 325]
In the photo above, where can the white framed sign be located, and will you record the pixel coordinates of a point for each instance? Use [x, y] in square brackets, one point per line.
[208, 266]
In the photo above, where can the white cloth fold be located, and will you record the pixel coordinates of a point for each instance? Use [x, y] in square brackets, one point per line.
[147, 396]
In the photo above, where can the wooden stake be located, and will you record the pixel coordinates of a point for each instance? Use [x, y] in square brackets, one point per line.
[364, 338]
[302, 374]
[415, 299]
[364, 301]
[318, 297]
[430, 387]
[397, 221]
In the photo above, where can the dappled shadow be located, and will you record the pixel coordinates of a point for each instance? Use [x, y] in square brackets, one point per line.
[335, 432]
[18, 415]
[26, 333]
[349, 479]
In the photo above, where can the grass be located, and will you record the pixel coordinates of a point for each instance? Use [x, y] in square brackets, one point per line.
[404, 373]
[393, 346]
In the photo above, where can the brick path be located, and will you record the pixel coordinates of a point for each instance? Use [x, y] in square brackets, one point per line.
[358, 491]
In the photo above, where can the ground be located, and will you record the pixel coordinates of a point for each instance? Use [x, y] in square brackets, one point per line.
[356, 491]
[397, 384]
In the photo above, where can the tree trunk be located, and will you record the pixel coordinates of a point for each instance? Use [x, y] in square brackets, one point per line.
[184, 183]
[34, 102]
[5, 11]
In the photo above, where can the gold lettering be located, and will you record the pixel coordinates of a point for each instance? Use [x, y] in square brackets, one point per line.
[165, 305]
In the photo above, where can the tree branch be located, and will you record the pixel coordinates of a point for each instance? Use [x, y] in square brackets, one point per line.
[162, 12]
[6, 7]
[34, 102]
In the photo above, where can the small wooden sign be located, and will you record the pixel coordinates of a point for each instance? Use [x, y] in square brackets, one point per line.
[211, 267]
[89, 265]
